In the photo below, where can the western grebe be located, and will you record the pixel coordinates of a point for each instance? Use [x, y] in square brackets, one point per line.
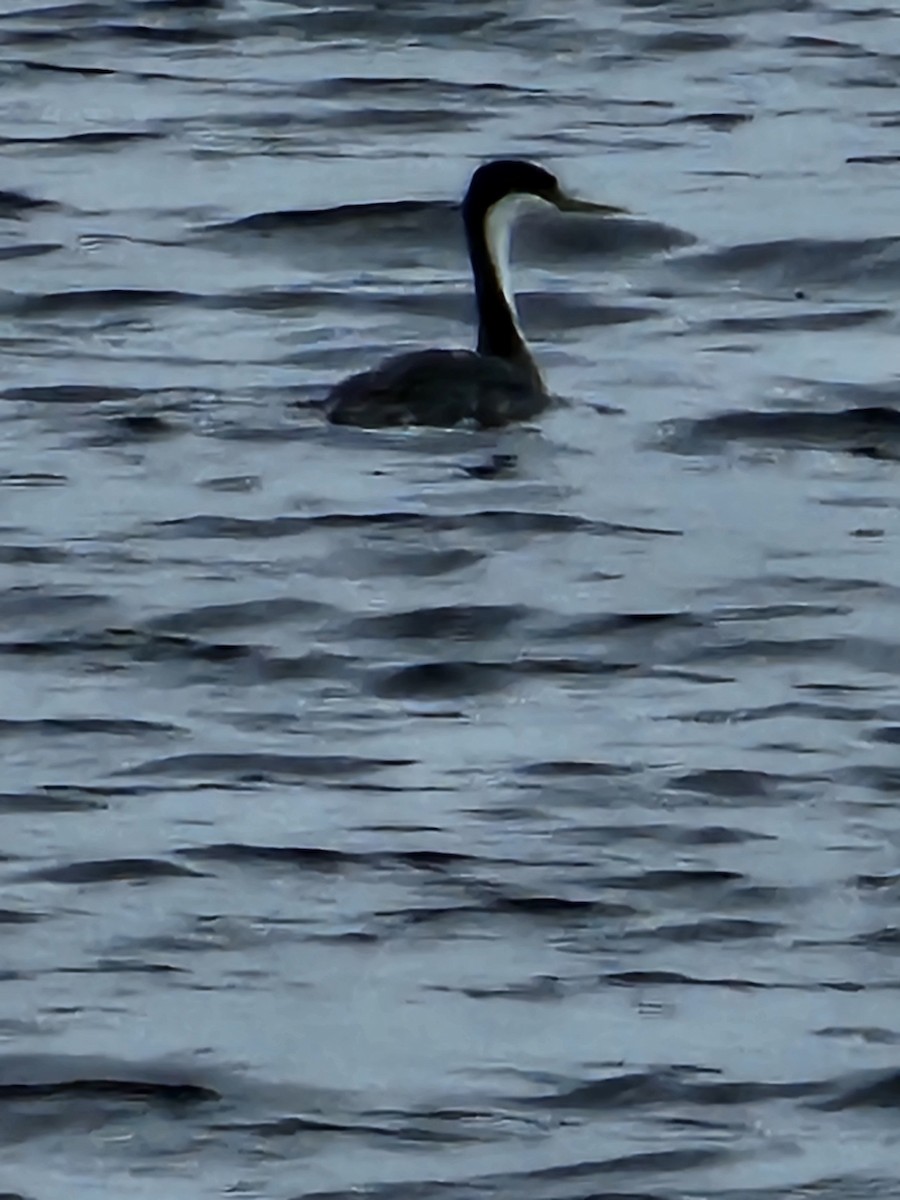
[500, 381]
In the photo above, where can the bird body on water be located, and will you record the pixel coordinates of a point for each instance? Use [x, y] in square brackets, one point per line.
[497, 383]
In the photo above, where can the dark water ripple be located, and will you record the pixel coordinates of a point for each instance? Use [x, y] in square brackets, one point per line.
[448, 813]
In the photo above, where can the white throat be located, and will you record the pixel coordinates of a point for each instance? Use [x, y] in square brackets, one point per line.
[498, 226]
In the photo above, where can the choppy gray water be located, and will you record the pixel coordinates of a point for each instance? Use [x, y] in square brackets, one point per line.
[449, 814]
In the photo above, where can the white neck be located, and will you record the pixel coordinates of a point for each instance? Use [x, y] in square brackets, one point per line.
[498, 226]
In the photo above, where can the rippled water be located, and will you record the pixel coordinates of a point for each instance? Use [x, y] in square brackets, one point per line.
[442, 813]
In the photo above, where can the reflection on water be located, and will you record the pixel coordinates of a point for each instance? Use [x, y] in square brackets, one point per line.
[492, 814]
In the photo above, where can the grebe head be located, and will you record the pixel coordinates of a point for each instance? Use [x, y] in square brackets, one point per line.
[507, 179]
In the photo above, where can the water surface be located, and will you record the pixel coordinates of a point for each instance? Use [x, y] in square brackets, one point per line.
[448, 813]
